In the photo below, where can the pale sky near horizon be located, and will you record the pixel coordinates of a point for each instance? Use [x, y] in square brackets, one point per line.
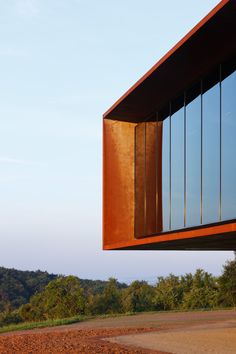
[63, 63]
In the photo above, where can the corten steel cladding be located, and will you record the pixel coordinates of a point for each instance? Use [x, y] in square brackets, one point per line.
[132, 183]
[132, 143]
[118, 181]
[148, 186]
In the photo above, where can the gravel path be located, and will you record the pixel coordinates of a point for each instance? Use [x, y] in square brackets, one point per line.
[176, 333]
[217, 341]
[89, 341]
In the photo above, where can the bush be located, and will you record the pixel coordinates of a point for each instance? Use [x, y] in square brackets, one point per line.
[62, 297]
[203, 293]
[10, 318]
[227, 284]
[169, 293]
[109, 302]
[139, 296]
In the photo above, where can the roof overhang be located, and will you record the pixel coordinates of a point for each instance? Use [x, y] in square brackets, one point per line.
[209, 43]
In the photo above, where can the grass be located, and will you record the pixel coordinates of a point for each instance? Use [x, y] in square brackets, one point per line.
[53, 323]
[42, 324]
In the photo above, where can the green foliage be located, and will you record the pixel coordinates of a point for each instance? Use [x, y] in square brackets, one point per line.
[227, 284]
[12, 317]
[46, 297]
[108, 302]
[139, 296]
[203, 293]
[16, 287]
[93, 287]
[112, 297]
[62, 297]
[169, 293]
[41, 324]
[187, 292]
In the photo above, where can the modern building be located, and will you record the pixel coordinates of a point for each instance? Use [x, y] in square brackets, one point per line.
[169, 147]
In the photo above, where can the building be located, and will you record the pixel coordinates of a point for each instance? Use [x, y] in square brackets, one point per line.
[169, 147]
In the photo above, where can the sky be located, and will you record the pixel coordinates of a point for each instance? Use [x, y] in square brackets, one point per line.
[64, 63]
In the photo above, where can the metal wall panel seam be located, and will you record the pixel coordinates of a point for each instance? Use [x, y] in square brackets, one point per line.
[170, 196]
[201, 217]
[220, 204]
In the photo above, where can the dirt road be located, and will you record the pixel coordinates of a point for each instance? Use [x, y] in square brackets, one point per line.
[181, 333]
[202, 338]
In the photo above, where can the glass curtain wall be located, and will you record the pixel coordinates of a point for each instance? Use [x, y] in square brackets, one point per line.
[185, 165]
[177, 169]
[228, 145]
[193, 157]
[211, 154]
[199, 154]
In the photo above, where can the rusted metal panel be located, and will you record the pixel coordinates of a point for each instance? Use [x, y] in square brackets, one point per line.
[148, 178]
[118, 181]
[217, 237]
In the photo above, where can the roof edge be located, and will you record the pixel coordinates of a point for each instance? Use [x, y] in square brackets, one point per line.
[182, 41]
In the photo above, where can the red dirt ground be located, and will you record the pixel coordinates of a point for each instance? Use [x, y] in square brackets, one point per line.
[89, 341]
[95, 336]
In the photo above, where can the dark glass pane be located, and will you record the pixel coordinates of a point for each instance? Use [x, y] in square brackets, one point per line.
[229, 147]
[193, 162]
[165, 174]
[140, 180]
[211, 155]
[177, 169]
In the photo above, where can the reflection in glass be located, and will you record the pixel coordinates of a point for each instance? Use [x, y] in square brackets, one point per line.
[211, 155]
[229, 147]
[177, 169]
[193, 162]
[201, 168]
[166, 173]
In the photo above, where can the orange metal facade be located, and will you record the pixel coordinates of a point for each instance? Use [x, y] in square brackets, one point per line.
[132, 182]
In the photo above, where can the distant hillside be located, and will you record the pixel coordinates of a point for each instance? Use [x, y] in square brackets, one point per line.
[17, 286]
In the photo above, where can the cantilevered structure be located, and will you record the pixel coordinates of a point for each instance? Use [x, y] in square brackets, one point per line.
[169, 147]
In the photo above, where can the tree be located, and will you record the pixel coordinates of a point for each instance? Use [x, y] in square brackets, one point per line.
[203, 292]
[62, 297]
[112, 296]
[107, 302]
[227, 284]
[139, 296]
[16, 287]
[168, 295]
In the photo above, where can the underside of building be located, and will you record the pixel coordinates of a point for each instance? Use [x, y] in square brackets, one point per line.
[169, 147]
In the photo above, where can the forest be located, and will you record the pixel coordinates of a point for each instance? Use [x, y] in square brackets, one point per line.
[38, 296]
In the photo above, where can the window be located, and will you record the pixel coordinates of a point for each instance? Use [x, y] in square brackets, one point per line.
[177, 169]
[228, 145]
[193, 157]
[211, 154]
[185, 160]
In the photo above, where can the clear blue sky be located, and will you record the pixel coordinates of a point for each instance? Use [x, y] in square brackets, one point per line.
[63, 63]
